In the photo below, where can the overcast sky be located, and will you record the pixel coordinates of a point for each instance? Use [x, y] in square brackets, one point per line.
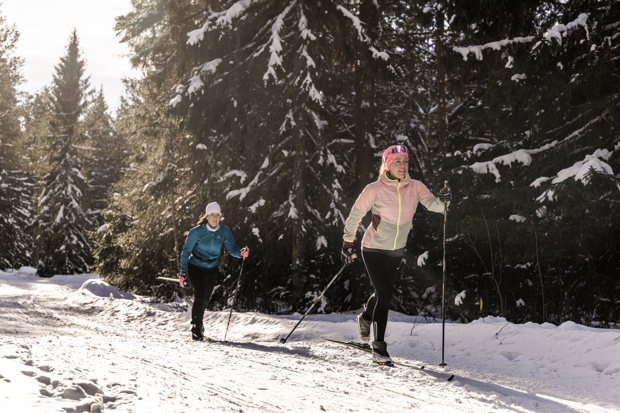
[45, 26]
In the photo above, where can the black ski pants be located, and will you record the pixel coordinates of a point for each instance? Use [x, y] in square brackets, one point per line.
[381, 269]
[203, 281]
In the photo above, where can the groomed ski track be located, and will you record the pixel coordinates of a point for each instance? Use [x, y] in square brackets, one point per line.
[55, 336]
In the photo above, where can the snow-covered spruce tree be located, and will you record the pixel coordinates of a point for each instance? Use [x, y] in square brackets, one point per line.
[16, 186]
[225, 98]
[107, 152]
[257, 102]
[63, 244]
[536, 231]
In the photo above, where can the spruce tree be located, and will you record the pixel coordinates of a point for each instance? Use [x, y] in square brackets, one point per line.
[16, 186]
[64, 246]
[107, 150]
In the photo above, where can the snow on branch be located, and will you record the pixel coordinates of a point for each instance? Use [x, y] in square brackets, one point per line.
[361, 33]
[356, 22]
[221, 19]
[579, 170]
[557, 32]
[477, 50]
[276, 44]
[522, 155]
[244, 191]
[236, 172]
[303, 27]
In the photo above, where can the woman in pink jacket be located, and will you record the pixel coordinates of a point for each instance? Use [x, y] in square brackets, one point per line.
[393, 200]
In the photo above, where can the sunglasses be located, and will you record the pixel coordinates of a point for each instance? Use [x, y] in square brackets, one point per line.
[399, 149]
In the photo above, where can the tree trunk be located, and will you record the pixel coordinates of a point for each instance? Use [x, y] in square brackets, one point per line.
[365, 169]
[175, 232]
[299, 193]
[442, 124]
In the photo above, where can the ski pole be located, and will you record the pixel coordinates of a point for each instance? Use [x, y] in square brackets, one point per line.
[283, 340]
[235, 296]
[443, 284]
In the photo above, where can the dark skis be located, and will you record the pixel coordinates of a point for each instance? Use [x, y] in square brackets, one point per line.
[366, 348]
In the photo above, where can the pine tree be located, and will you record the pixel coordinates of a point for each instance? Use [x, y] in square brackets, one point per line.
[64, 246]
[108, 151]
[16, 186]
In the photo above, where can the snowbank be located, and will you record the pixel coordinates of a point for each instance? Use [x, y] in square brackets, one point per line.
[101, 288]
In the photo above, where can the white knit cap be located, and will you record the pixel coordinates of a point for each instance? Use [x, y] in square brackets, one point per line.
[213, 207]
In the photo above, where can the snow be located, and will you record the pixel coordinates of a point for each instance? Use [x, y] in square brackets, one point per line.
[579, 170]
[256, 232]
[477, 50]
[517, 77]
[321, 242]
[539, 181]
[422, 259]
[357, 23]
[65, 349]
[523, 155]
[101, 288]
[276, 44]
[195, 84]
[221, 19]
[517, 218]
[176, 100]
[458, 300]
[257, 204]
[482, 147]
[201, 146]
[235, 172]
[242, 193]
[559, 30]
[379, 55]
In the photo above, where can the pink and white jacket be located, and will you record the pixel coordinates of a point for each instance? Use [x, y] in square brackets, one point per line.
[393, 203]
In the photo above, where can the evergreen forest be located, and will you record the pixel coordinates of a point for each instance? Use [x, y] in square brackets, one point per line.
[280, 111]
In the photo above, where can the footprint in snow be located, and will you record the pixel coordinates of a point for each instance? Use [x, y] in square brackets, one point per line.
[510, 355]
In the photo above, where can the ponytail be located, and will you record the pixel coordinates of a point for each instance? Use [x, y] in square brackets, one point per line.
[383, 169]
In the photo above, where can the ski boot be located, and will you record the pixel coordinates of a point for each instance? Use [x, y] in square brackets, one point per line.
[363, 329]
[380, 354]
[197, 334]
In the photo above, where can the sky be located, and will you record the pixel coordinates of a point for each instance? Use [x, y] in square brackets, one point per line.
[45, 27]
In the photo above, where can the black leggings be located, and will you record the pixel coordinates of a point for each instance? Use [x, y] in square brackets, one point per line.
[203, 281]
[382, 272]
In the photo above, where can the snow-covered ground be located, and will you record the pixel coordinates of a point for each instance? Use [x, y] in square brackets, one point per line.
[74, 344]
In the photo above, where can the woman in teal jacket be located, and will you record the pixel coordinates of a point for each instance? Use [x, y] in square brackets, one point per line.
[200, 259]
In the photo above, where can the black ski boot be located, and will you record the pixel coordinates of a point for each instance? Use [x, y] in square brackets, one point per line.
[380, 354]
[197, 331]
[363, 329]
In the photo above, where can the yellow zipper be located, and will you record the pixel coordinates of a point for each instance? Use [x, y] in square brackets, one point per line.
[398, 223]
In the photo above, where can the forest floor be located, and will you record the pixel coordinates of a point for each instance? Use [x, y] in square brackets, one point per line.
[74, 343]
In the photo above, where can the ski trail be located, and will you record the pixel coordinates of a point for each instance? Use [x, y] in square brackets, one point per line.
[61, 351]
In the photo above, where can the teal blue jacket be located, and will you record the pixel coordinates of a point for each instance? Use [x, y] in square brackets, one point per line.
[207, 244]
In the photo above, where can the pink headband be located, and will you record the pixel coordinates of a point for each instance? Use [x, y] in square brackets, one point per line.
[393, 152]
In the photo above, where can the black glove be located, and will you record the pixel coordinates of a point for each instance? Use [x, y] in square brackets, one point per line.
[347, 255]
[445, 195]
